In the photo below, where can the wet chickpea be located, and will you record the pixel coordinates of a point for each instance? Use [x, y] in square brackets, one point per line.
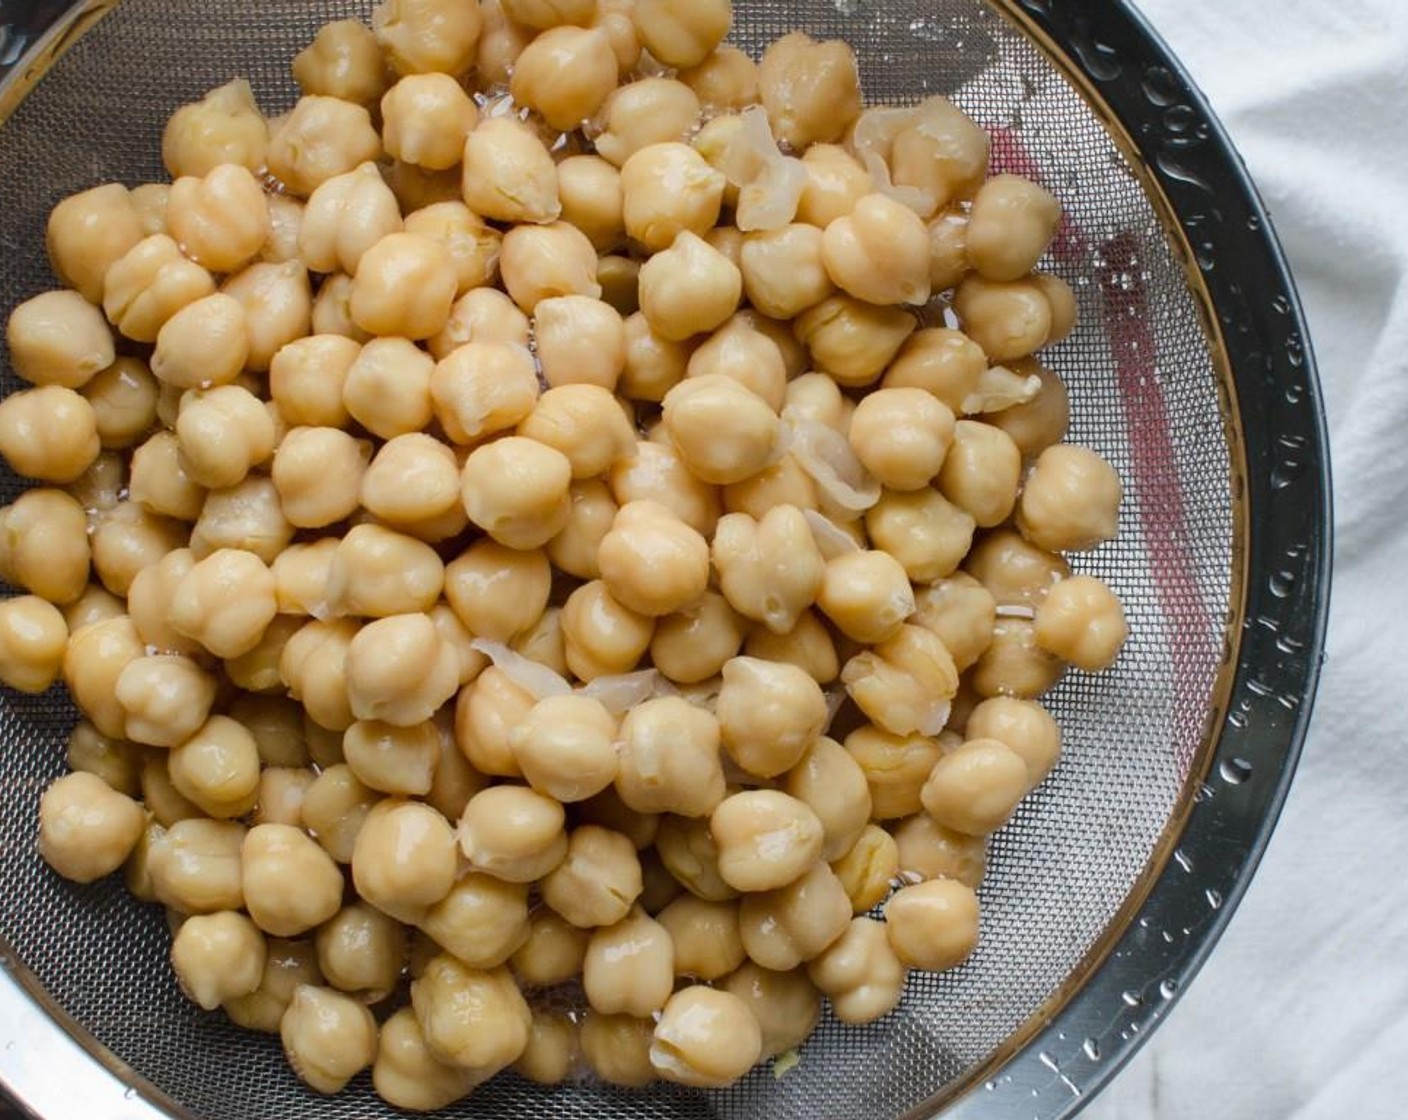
[617, 1049]
[860, 973]
[669, 758]
[94, 604]
[407, 1075]
[94, 659]
[126, 539]
[896, 768]
[769, 714]
[946, 363]
[904, 684]
[728, 240]
[962, 612]
[221, 219]
[552, 1049]
[116, 761]
[148, 284]
[328, 1038]
[483, 921]
[343, 61]
[474, 248]
[651, 561]
[485, 713]
[1082, 621]
[811, 89]
[656, 473]
[335, 809]
[313, 664]
[225, 602]
[543, 262]
[934, 925]
[387, 388]
[1070, 501]
[783, 270]
[285, 219]
[688, 289]
[769, 570]
[394, 760]
[218, 957]
[902, 436]
[602, 636]
[301, 576]
[566, 747]
[44, 545]
[400, 670]
[629, 967]
[565, 74]
[322, 137]
[948, 250]
[1012, 222]
[741, 352]
[86, 828]
[649, 111]
[281, 794]
[686, 848]
[1014, 570]
[345, 217]
[586, 424]
[324, 745]
[598, 881]
[508, 175]
[332, 310]
[423, 36]
[1008, 319]
[49, 433]
[195, 866]
[923, 530]
[786, 1005]
[808, 646]
[784, 928]
[516, 490]
[496, 591]
[425, 120]
[403, 861]
[276, 724]
[853, 341]
[217, 768]
[166, 699]
[835, 183]
[360, 951]
[318, 473]
[59, 338]
[878, 252]
[942, 153]
[667, 189]
[660, 886]
[167, 807]
[930, 850]
[694, 644]
[404, 286]
[866, 871]
[766, 839]
[724, 432]
[278, 307]
[223, 432]
[87, 232]
[591, 194]
[705, 1038]
[725, 80]
[123, 396]
[975, 789]
[513, 833]
[225, 126]
[867, 595]
[830, 782]
[981, 472]
[103, 486]
[553, 952]
[287, 966]
[377, 573]
[783, 483]
[1041, 422]
[290, 884]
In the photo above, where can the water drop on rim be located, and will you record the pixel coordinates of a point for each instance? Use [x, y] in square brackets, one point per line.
[1131, 998]
[1214, 898]
[1091, 1049]
[1168, 989]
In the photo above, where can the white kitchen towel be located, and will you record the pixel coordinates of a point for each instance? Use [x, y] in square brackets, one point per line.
[1302, 1011]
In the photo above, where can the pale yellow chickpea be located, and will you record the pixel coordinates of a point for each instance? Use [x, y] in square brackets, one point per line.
[416, 188]
[811, 89]
[962, 612]
[878, 252]
[394, 760]
[946, 363]
[150, 283]
[103, 486]
[1008, 319]
[1082, 621]
[686, 848]
[282, 791]
[516, 490]
[287, 966]
[123, 396]
[786, 1005]
[328, 1038]
[725, 80]
[195, 866]
[115, 761]
[546, 14]
[290, 884]
[345, 217]
[403, 861]
[258, 670]
[682, 35]
[313, 664]
[221, 219]
[553, 952]
[408, 1076]
[695, 644]
[218, 957]
[1015, 571]
[904, 684]
[322, 137]
[1065, 311]
[783, 483]
[585, 423]
[598, 881]
[565, 74]
[483, 921]
[923, 530]
[566, 747]
[614, 18]
[933, 925]
[335, 809]
[645, 112]
[404, 286]
[835, 183]
[217, 768]
[332, 310]
[784, 928]
[44, 545]
[95, 604]
[1012, 222]
[543, 642]
[542, 262]
[552, 1050]
[809, 647]
[832, 784]
[976, 788]
[902, 436]
[508, 174]
[1070, 500]
[166, 698]
[981, 472]
[278, 307]
[412, 478]
[668, 188]
[344, 60]
[481, 315]
[318, 473]
[1041, 422]
[425, 119]
[591, 193]
[867, 869]
[602, 637]
[223, 433]
[59, 338]
[360, 950]
[941, 152]
[496, 591]
[424, 36]
[486, 712]
[387, 388]
[740, 351]
[706, 1038]
[629, 967]
[766, 839]
[867, 595]
[301, 576]
[94, 659]
[617, 1049]
[723, 431]
[455, 780]
[49, 433]
[225, 126]
[224, 602]
[948, 250]
[860, 973]
[86, 828]
[669, 758]
[285, 220]
[127, 539]
[769, 570]
[400, 670]
[652, 562]
[769, 713]
[690, 288]
[87, 232]
[930, 850]
[483, 388]
[896, 768]
[853, 341]
[473, 244]
[656, 473]
[783, 271]
[513, 833]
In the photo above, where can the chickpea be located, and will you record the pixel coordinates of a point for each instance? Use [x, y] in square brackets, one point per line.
[387, 389]
[59, 338]
[313, 663]
[225, 602]
[87, 232]
[551, 1053]
[508, 174]
[426, 118]
[498, 592]
[902, 436]
[652, 562]
[694, 644]
[975, 789]
[287, 966]
[516, 490]
[617, 1048]
[394, 760]
[599, 880]
[481, 315]
[1012, 222]
[629, 967]
[281, 794]
[853, 341]
[591, 194]
[811, 89]
[377, 573]
[166, 806]
[586, 424]
[123, 396]
[196, 865]
[408, 1076]
[223, 432]
[278, 305]
[221, 219]
[86, 828]
[225, 126]
[1014, 570]
[809, 647]
[688, 289]
[335, 809]
[285, 220]
[602, 636]
[923, 530]
[744, 354]
[1082, 621]
[544, 643]
[542, 262]
[932, 851]
[933, 925]
[705, 1038]
[942, 153]
[276, 723]
[649, 111]
[483, 388]
[868, 868]
[218, 957]
[724, 432]
[962, 612]
[485, 714]
[896, 768]
[217, 768]
[686, 849]
[290, 884]
[483, 921]
[786, 1005]
[784, 928]
[835, 183]
[328, 1037]
[116, 761]
[332, 310]
[867, 595]
[832, 784]
[95, 604]
[878, 253]
[981, 472]
[455, 781]
[904, 683]
[324, 744]
[318, 473]
[94, 659]
[301, 576]
[346, 216]
[473, 244]
[44, 545]
[49, 433]
[725, 80]
[513, 833]
[565, 74]
[1071, 500]
[948, 250]
[553, 952]
[126, 539]
[1008, 319]
[403, 861]
[783, 273]
[669, 758]
[344, 61]
[657, 474]
[1041, 422]
[361, 952]
[946, 363]
[166, 699]
[669, 188]
[404, 286]
[400, 670]
[769, 570]
[766, 839]
[769, 714]
[322, 137]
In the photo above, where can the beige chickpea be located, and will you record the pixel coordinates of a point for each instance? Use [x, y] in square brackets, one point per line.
[328, 1038]
[508, 174]
[602, 636]
[946, 363]
[878, 252]
[412, 477]
[59, 338]
[766, 839]
[196, 865]
[586, 424]
[669, 188]
[94, 604]
[221, 219]
[1041, 422]
[942, 153]
[784, 928]
[741, 352]
[287, 966]
[322, 137]
[103, 486]
[1082, 621]
[301, 576]
[975, 789]
[1008, 319]
[948, 250]
[516, 490]
[629, 967]
[455, 781]
[285, 220]
[394, 760]
[313, 664]
[425, 119]
[408, 1076]
[224, 602]
[281, 794]
[656, 473]
[332, 310]
[1014, 570]
[811, 89]
[486, 712]
[1026, 727]
[344, 60]
[902, 436]
[159, 480]
[400, 670]
[770, 570]
[44, 545]
[278, 307]
[49, 433]
[116, 761]
[786, 1005]
[513, 833]
[705, 1038]
[615, 19]
[809, 646]
[934, 925]
[930, 850]
[896, 768]
[377, 572]
[769, 714]
[617, 1049]
[94, 659]
[217, 768]
[695, 644]
[318, 473]
[335, 809]
[345, 216]
[591, 192]
[860, 973]
[686, 847]
[598, 881]
[853, 341]
[923, 530]
[553, 952]
[86, 828]
[552, 1050]
[724, 432]
[87, 232]
[223, 432]
[682, 35]
[866, 871]
[387, 388]
[565, 74]
[619, 279]
[651, 561]
[403, 861]
[660, 887]
[148, 284]
[422, 36]
[866, 594]
[835, 183]
[542, 262]
[832, 784]
[707, 944]
[725, 80]
[306, 380]
[483, 921]
[546, 14]
[1065, 311]
[580, 340]
[166, 699]
[218, 957]
[688, 289]
[290, 884]
[783, 271]
[225, 126]
[1012, 222]
[128, 538]
[981, 472]
[1070, 500]
[404, 286]
[416, 188]
[904, 684]
[123, 396]
[650, 111]
[496, 591]
[669, 758]
[962, 612]
[483, 388]
[360, 951]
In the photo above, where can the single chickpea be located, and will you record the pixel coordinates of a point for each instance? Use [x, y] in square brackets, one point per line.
[148, 284]
[902, 436]
[387, 388]
[313, 664]
[95, 604]
[290, 884]
[546, 14]
[49, 433]
[552, 1050]
[455, 780]
[602, 637]
[285, 220]
[923, 530]
[360, 951]
[695, 644]
[287, 966]
[400, 670]
[225, 602]
[598, 881]
[301, 576]
[629, 967]
[44, 545]
[394, 760]
[724, 432]
[225, 126]
[686, 847]
[166, 698]
[707, 944]
[932, 851]
[483, 388]
[483, 921]
[783, 483]
[725, 80]
[94, 659]
[542, 262]
[481, 315]
[516, 490]
[565, 74]
[585, 423]
[1082, 621]
[682, 36]
[786, 1005]
[878, 252]
[103, 486]
[942, 152]
[86, 828]
[853, 341]
[344, 61]
[619, 278]
[1041, 422]
[217, 957]
[321, 138]
[281, 794]
[123, 396]
[508, 174]
[513, 833]
[1008, 319]
[486, 712]
[1070, 500]
[981, 472]
[769, 570]
[766, 839]
[962, 612]
[669, 188]
[116, 761]
[59, 338]
[318, 473]
[835, 183]
[896, 768]
[867, 595]
[221, 219]
[809, 647]
[866, 871]
[615, 19]
[645, 112]
[741, 352]
[651, 561]
[223, 433]
[784, 928]
[127, 539]
[946, 363]
[328, 1038]
[332, 310]
[423, 36]
[591, 194]
[769, 713]
[473, 244]
[688, 289]
[669, 758]
[217, 768]
[1065, 312]
[403, 861]
[617, 1049]
[1012, 222]
[167, 807]
[948, 250]
[247, 517]
[335, 809]
[416, 188]
[783, 272]
[811, 89]
[404, 286]
[975, 789]
[278, 307]
[904, 684]
[496, 591]
[553, 952]
[566, 747]
[196, 865]
[1015, 571]
[656, 473]
[660, 887]
[345, 217]
[88, 232]
[705, 1038]
[407, 1075]
[934, 925]
[425, 119]
[832, 784]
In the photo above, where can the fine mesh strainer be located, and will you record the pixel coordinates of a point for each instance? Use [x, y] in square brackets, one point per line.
[1189, 371]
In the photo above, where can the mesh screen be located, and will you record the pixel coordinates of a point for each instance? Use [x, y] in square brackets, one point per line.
[1144, 393]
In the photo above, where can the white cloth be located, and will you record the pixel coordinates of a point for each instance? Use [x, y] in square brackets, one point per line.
[1302, 1011]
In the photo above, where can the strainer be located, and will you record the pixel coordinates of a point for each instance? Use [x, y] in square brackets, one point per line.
[1190, 371]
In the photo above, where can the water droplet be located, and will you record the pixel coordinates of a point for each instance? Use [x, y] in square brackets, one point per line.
[1037, 7]
[1281, 584]
[990, 1086]
[1214, 898]
[1174, 167]
[1183, 859]
[1069, 1084]
[1295, 393]
[928, 29]
[1101, 61]
[1160, 86]
[1091, 1049]
[1049, 1062]
[129, 1094]
[1286, 644]
[1281, 305]
[1131, 997]
[1254, 223]
[1179, 118]
[1168, 989]
[1168, 937]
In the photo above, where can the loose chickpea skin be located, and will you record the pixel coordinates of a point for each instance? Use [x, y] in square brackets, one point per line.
[59, 338]
[1082, 621]
[766, 839]
[1070, 501]
[166, 699]
[867, 870]
[905, 683]
[87, 232]
[1041, 422]
[705, 1038]
[86, 828]
[513, 833]
[335, 809]
[649, 111]
[343, 61]
[328, 1038]
[322, 137]
[483, 921]
[218, 957]
[896, 768]
[688, 289]
[934, 925]
[617, 1048]
[599, 880]
[694, 644]
[656, 473]
[404, 286]
[387, 388]
[811, 89]
[629, 967]
[44, 545]
[553, 952]
[669, 758]
[49, 433]
[932, 851]
[407, 1075]
[769, 714]
[508, 174]
[853, 341]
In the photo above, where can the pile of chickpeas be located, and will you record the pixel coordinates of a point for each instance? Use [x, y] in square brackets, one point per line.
[467, 501]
